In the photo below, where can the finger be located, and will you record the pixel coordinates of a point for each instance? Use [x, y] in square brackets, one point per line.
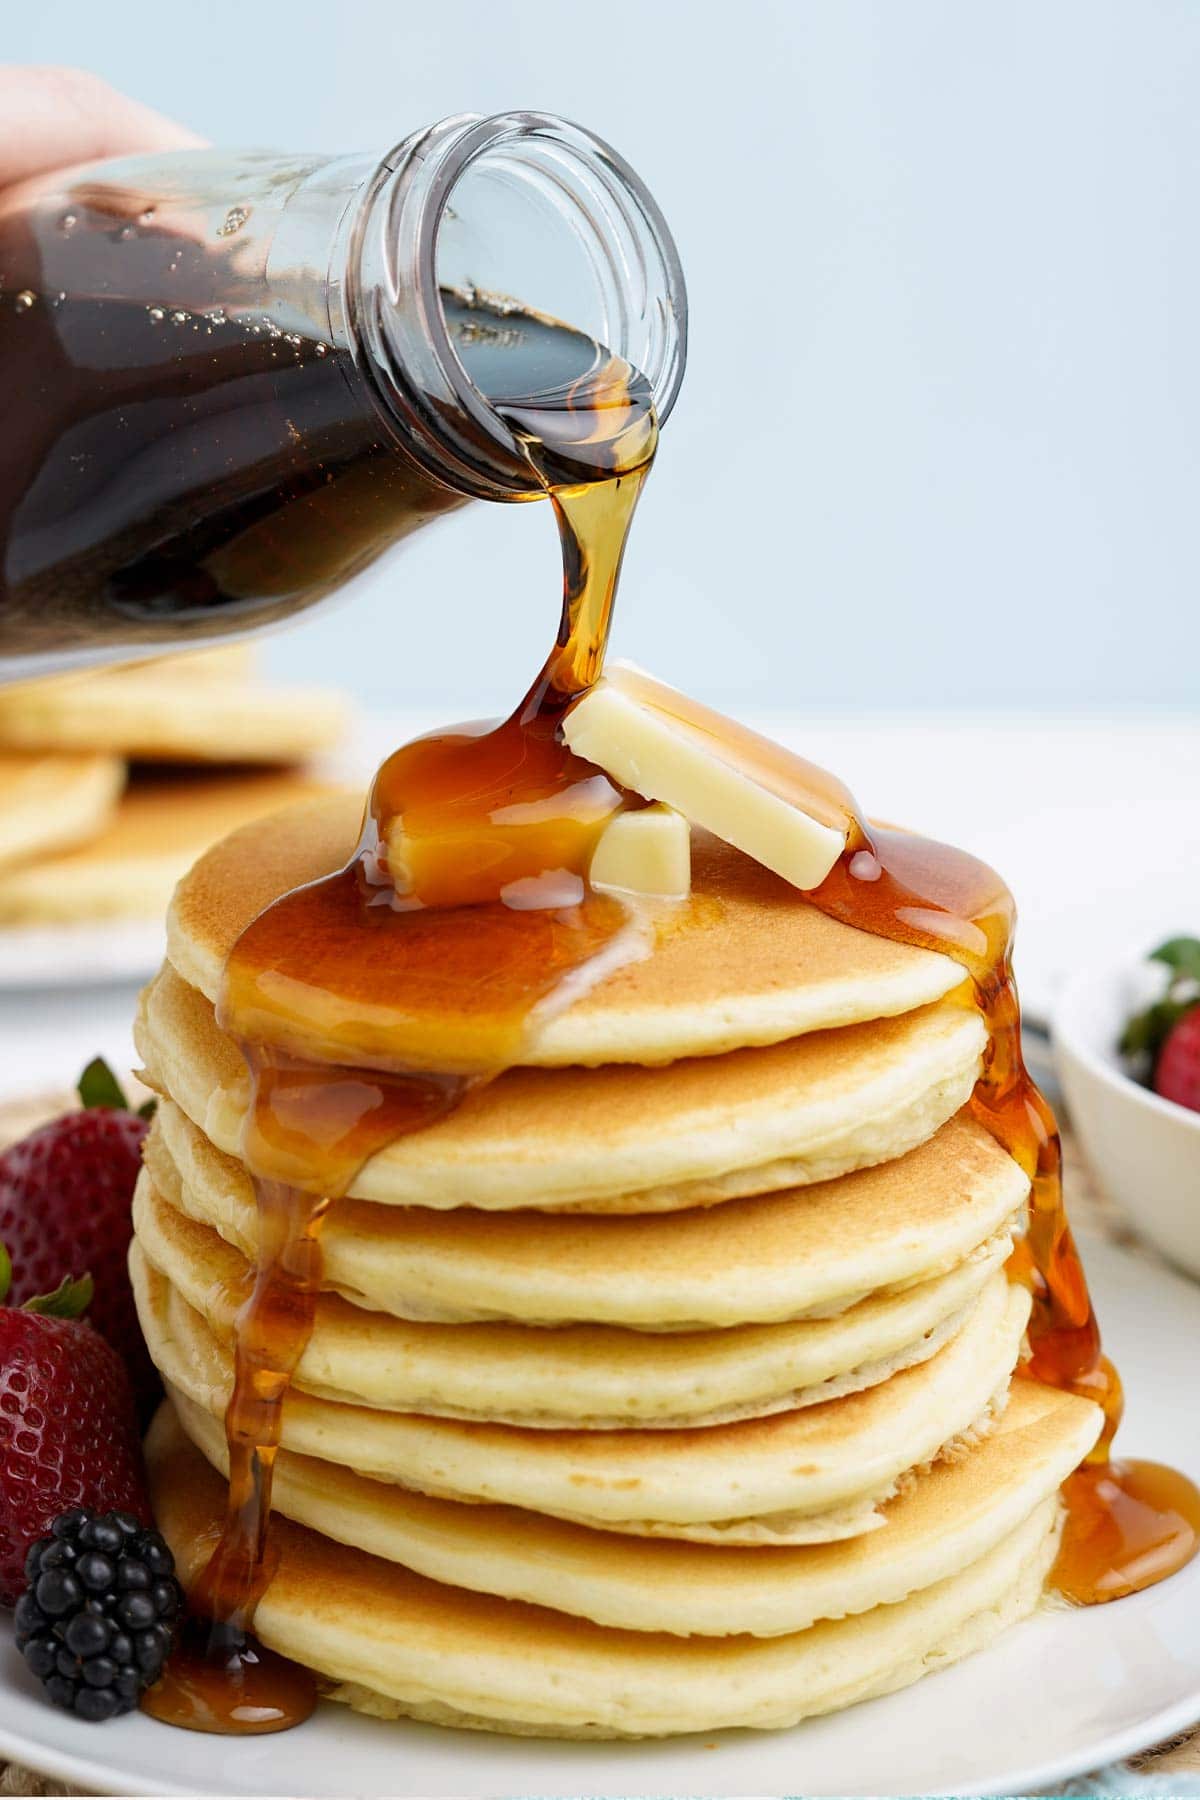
[51, 117]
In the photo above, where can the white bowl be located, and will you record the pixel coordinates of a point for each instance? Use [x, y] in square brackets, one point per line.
[1143, 1151]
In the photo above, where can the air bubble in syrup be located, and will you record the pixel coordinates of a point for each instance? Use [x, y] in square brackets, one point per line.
[68, 222]
[233, 221]
[156, 313]
[25, 299]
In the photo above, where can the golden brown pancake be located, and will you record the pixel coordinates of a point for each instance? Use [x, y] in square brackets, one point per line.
[130, 867]
[203, 708]
[53, 803]
[392, 1642]
[955, 1513]
[745, 961]
[622, 1138]
[591, 1376]
[798, 1476]
[799, 1252]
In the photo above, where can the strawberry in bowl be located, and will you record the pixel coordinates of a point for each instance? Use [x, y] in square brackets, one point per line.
[1130, 1072]
[1162, 1041]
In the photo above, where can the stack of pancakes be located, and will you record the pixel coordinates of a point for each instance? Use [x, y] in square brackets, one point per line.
[665, 1386]
[112, 782]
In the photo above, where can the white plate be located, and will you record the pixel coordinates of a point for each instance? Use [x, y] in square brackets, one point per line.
[1059, 1695]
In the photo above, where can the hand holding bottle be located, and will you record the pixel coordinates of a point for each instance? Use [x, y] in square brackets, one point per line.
[52, 117]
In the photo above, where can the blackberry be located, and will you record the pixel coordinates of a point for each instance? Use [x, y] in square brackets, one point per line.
[98, 1618]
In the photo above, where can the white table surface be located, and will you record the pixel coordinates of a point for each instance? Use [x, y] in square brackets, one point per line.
[1094, 822]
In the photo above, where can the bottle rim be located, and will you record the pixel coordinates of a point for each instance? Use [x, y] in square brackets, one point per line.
[638, 280]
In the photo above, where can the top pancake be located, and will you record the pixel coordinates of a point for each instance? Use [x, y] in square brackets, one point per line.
[745, 962]
[202, 708]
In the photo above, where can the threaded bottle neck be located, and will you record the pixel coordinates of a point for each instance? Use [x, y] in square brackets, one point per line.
[534, 214]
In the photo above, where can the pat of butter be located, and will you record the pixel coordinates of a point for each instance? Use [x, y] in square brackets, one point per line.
[648, 852]
[774, 806]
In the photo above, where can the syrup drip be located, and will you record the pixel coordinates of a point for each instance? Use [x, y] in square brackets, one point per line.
[468, 892]
[1129, 1524]
[323, 1123]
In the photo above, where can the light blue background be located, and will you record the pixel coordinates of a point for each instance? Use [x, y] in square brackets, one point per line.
[939, 442]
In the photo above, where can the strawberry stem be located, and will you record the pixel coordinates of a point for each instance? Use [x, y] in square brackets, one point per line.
[5, 1274]
[98, 1086]
[70, 1300]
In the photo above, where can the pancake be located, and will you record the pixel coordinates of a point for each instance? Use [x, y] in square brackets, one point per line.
[130, 868]
[233, 660]
[954, 1514]
[393, 1642]
[590, 1376]
[787, 1255]
[51, 803]
[620, 1139]
[796, 1476]
[745, 961]
[172, 709]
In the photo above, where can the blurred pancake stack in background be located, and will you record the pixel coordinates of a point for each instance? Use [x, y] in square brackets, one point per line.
[113, 781]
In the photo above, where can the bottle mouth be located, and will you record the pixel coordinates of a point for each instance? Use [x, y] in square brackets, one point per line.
[521, 212]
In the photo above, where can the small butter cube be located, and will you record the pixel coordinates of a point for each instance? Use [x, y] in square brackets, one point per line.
[647, 852]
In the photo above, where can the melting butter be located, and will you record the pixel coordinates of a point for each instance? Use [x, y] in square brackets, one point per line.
[779, 809]
[647, 852]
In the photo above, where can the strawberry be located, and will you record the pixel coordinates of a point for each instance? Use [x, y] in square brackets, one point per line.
[65, 1196]
[1177, 1071]
[68, 1430]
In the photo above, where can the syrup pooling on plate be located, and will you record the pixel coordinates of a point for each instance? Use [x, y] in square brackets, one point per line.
[471, 875]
